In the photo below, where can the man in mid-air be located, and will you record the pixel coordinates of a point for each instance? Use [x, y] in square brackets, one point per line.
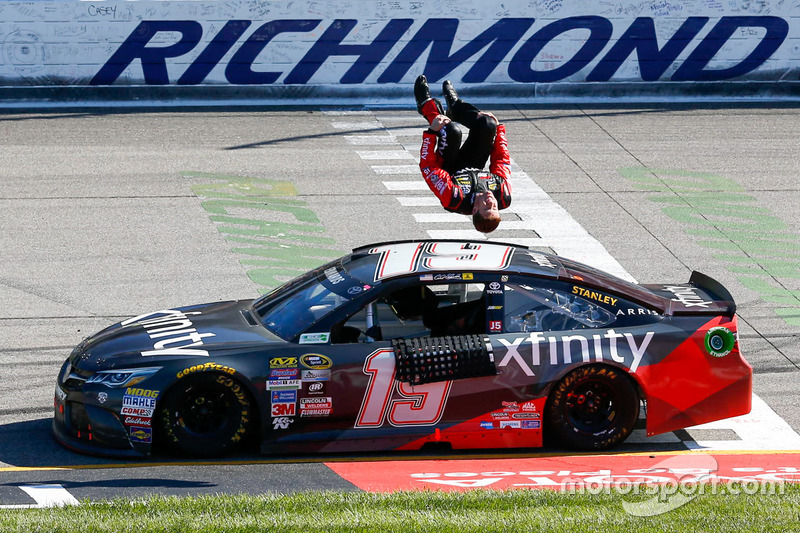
[454, 172]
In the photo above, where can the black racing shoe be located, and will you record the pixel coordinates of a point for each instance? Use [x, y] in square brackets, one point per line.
[422, 93]
[450, 95]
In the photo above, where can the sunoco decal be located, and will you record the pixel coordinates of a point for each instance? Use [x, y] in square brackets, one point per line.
[174, 331]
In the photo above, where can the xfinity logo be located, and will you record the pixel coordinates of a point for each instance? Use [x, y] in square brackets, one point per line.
[559, 350]
[687, 296]
[174, 332]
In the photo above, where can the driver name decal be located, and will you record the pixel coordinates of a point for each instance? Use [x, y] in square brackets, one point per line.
[173, 332]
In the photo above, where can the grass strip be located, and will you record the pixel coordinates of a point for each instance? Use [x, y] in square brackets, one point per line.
[727, 509]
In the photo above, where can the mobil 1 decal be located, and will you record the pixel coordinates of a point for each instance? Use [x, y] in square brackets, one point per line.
[546, 354]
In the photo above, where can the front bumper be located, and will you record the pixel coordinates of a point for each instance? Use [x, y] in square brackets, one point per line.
[82, 424]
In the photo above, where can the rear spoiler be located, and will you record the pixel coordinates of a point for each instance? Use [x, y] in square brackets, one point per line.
[701, 295]
[711, 286]
[722, 297]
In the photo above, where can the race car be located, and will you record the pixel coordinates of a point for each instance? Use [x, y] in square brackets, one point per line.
[401, 345]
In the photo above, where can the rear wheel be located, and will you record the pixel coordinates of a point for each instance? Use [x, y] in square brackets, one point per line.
[205, 415]
[594, 407]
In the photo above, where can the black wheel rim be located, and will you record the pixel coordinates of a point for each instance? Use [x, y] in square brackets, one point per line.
[592, 406]
[204, 412]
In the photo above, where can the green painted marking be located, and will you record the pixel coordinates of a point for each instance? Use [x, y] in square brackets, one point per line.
[279, 245]
[716, 210]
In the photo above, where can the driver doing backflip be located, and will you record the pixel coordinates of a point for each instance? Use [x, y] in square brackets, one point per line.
[454, 172]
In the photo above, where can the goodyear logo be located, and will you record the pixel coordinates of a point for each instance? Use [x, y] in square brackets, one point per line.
[316, 361]
[283, 362]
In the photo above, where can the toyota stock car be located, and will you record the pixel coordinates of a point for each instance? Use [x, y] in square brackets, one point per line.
[398, 345]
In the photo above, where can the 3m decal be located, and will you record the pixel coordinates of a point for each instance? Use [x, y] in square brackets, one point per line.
[283, 409]
[396, 402]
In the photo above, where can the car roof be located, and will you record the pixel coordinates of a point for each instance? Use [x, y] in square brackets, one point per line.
[422, 256]
[411, 258]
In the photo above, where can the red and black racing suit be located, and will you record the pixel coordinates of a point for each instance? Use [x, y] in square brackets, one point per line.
[455, 173]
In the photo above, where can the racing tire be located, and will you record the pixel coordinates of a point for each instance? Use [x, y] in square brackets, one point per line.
[594, 407]
[205, 415]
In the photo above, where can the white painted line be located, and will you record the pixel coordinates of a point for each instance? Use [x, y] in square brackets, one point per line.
[50, 495]
[469, 234]
[419, 201]
[367, 140]
[639, 436]
[384, 154]
[398, 169]
[552, 222]
[355, 126]
[523, 241]
[762, 429]
[347, 113]
[409, 132]
[442, 217]
[406, 185]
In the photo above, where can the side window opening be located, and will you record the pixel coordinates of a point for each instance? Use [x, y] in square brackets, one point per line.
[419, 311]
[547, 309]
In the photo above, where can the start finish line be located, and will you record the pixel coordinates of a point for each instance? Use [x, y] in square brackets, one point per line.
[587, 473]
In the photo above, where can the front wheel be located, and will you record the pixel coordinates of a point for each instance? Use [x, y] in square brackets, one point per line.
[205, 415]
[594, 407]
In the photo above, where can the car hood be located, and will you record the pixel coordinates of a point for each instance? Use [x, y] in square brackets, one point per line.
[184, 332]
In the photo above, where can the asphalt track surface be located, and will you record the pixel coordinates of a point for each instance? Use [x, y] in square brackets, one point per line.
[103, 216]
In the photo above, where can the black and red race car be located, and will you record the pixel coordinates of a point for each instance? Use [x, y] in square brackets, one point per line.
[397, 345]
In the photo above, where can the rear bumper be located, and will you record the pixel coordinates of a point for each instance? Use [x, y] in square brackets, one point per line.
[691, 386]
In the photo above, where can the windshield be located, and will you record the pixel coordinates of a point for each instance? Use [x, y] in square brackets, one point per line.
[297, 305]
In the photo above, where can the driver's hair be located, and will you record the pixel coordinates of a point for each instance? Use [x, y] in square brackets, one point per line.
[486, 223]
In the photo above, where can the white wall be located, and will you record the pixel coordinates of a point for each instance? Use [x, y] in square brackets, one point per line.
[291, 50]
